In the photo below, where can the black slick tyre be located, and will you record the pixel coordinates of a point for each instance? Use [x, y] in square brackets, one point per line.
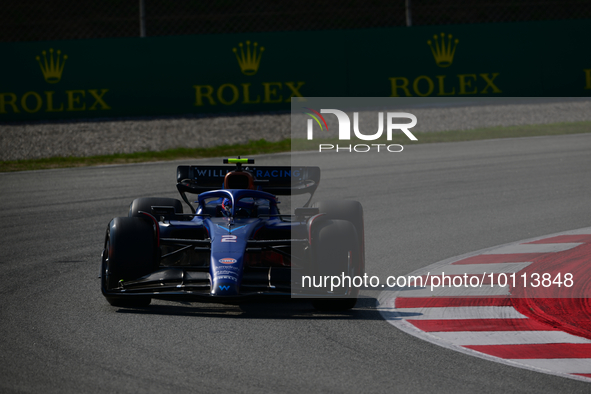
[336, 252]
[130, 253]
[351, 211]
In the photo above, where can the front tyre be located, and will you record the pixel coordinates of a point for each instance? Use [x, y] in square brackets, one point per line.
[130, 253]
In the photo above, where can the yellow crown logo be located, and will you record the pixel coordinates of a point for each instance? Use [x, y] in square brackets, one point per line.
[249, 61]
[444, 53]
[52, 70]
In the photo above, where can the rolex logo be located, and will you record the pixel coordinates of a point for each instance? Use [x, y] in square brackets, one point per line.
[249, 60]
[443, 51]
[52, 68]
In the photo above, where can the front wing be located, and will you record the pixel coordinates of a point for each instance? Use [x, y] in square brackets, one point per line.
[193, 283]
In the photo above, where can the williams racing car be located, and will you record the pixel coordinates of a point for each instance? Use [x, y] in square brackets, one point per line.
[235, 244]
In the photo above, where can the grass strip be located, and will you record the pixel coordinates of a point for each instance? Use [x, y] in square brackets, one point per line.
[251, 148]
[265, 147]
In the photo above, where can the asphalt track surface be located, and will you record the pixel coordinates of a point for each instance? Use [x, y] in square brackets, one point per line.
[428, 203]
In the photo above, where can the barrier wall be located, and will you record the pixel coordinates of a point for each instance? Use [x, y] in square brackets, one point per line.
[261, 71]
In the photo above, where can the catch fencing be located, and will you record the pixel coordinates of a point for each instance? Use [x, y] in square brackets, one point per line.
[42, 20]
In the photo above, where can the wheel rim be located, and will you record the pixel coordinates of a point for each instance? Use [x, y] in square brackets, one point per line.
[105, 267]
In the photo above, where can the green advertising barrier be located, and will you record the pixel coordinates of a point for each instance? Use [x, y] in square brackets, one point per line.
[237, 73]
[529, 59]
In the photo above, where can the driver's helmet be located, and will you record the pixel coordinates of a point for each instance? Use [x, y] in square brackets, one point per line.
[227, 207]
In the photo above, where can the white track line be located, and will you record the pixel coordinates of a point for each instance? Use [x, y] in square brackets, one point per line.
[563, 365]
[533, 248]
[466, 338]
[453, 313]
[485, 290]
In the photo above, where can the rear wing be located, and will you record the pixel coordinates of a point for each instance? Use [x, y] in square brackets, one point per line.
[278, 180]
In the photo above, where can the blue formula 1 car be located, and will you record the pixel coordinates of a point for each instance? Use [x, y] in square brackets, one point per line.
[235, 245]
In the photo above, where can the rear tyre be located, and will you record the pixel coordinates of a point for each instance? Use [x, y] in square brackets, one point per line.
[336, 252]
[130, 253]
[145, 204]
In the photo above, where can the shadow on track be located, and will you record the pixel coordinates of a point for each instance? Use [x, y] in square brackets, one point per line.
[295, 309]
